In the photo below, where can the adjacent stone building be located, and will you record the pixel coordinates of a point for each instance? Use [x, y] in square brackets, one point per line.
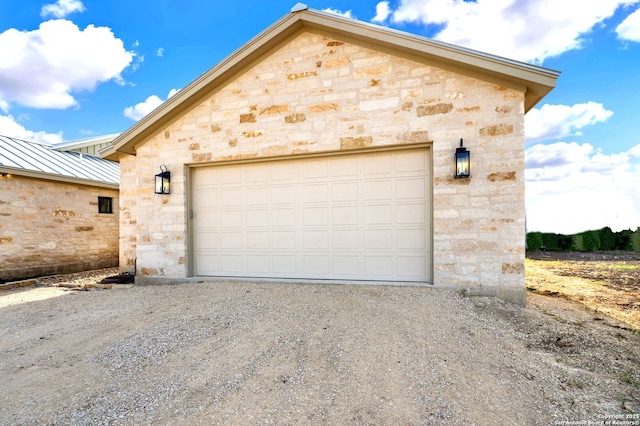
[58, 210]
[323, 151]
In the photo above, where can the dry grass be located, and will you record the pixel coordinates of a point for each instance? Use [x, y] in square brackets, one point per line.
[610, 287]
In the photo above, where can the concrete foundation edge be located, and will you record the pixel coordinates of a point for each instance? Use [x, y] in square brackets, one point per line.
[517, 296]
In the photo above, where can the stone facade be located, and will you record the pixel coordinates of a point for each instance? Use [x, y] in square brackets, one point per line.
[318, 94]
[51, 227]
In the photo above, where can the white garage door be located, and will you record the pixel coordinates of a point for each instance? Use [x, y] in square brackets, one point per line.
[348, 217]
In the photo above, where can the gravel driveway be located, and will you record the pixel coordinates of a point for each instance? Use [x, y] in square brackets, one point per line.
[246, 353]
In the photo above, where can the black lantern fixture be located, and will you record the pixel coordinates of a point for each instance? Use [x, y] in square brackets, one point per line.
[463, 162]
[162, 181]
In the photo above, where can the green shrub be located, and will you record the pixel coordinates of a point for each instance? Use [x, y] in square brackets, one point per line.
[591, 241]
[607, 239]
[534, 241]
[566, 243]
[550, 241]
[604, 239]
[635, 240]
[623, 240]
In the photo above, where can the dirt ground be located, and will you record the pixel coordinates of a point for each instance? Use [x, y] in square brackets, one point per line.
[606, 283]
[247, 353]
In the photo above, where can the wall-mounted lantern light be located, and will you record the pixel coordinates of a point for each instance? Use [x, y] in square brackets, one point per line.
[463, 162]
[162, 180]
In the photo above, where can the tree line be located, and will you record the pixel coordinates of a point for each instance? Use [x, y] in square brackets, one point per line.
[601, 240]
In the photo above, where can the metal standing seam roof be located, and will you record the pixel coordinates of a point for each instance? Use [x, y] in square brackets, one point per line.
[34, 159]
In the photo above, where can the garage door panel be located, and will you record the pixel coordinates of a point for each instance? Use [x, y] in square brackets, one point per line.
[283, 194]
[378, 190]
[260, 264]
[209, 264]
[410, 189]
[259, 196]
[230, 219]
[315, 240]
[230, 198]
[407, 162]
[208, 240]
[230, 264]
[316, 216]
[381, 266]
[409, 266]
[344, 192]
[208, 198]
[283, 240]
[379, 239]
[344, 215]
[376, 165]
[344, 166]
[354, 217]
[316, 264]
[258, 218]
[258, 240]
[378, 214]
[316, 193]
[284, 265]
[229, 175]
[345, 239]
[258, 174]
[283, 217]
[315, 169]
[410, 214]
[411, 239]
[209, 219]
[230, 240]
[282, 171]
[345, 266]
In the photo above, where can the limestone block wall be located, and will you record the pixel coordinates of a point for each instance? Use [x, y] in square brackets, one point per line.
[316, 94]
[49, 227]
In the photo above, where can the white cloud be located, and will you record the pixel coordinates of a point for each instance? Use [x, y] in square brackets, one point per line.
[629, 29]
[62, 8]
[140, 110]
[347, 14]
[160, 52]
[382, 11]
[572, 188]
[560, 121]
[10, 127]
[525, 30]
[43, 67]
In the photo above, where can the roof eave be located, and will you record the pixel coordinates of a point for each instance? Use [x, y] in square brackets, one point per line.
[126, 143]
[58, 178]
[534, 81]
[82, 143]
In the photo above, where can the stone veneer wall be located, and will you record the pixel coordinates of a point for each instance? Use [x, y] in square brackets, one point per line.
[318, 94]
[49, 227]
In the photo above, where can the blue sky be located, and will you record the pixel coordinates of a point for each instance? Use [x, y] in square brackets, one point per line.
[74, 69]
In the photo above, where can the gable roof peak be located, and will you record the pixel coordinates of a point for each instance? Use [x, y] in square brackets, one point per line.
[534, 81]
[298, 7]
